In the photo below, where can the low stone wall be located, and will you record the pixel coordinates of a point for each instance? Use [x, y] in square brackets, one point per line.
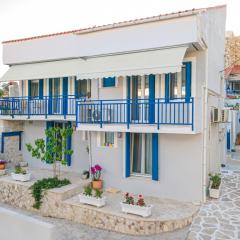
[60, 203]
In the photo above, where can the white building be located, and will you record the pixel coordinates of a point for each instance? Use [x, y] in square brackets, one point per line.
[149, 86]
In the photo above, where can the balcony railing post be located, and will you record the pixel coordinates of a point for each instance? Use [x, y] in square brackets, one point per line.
[46, 104]
[101, 114]
[192, 113]
[128, 113]
[158, 114]
[29, 107]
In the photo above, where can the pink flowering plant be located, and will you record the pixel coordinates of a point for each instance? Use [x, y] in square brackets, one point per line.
[96, 172]
[129, 199]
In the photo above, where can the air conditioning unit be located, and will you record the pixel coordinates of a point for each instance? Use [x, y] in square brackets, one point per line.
[106, 115]
[215, 115]
[224, 116]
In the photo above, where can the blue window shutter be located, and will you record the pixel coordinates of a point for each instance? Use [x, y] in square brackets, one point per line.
[127, 155]
[76, 87]
[167, 82]
[49, 124]
[29, 88]
[69, 146]
[109, 82]
[151, 98]
[188, 79]
[41, 87]
[50, 96]
[65, 95]
[155, 157]
[128, 86]
[228, 140]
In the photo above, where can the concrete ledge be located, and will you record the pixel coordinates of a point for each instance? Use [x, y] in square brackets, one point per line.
[17, 226]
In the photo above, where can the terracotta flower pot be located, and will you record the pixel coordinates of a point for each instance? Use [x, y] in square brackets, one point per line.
[97, 184]
[2, 166]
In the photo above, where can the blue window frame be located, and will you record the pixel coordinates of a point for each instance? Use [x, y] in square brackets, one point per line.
[109, 82]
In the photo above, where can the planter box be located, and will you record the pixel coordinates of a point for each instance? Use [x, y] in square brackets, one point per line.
[137, 210]
[21, 177]
[98, 202]
[215, 193]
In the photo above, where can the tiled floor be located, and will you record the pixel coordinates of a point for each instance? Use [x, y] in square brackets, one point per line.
[220, 219]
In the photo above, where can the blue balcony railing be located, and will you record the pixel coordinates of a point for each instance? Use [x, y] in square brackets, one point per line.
[38, 106]
[232, 92]
[158, 111]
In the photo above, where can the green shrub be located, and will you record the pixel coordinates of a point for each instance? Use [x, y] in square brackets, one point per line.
[88, 191]
[44, 184]
[216, 180]
[20, 170]
[98, 193]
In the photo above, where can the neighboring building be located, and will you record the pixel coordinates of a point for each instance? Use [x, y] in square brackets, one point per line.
[232, 83]
[140, 95]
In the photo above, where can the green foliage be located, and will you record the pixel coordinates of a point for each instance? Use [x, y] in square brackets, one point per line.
[88, 191]
[216, 180]
[20, 170]
[55, 149]
[46, 183]
[1, 92]
[98, 193]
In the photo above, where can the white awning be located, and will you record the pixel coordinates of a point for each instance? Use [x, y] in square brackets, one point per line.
[63, 68]
[140, 63]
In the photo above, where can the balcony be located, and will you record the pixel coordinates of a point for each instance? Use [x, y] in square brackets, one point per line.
[149, 115]
[38, 107]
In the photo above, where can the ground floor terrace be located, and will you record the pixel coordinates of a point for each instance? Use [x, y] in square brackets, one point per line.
[168, 215]
[217, 219]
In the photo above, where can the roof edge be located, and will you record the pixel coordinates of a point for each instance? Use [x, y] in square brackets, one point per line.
[119, 24]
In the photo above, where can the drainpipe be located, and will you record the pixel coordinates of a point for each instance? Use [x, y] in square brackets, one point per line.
[205, 132]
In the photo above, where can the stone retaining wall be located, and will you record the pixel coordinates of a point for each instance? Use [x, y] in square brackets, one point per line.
[55, 204]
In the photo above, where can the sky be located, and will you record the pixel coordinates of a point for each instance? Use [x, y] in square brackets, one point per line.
[26, 18]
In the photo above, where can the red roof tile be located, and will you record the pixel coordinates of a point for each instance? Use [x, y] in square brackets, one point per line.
[114, 25]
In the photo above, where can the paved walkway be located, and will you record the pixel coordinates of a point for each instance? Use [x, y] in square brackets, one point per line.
[220, 219]
[66, 230]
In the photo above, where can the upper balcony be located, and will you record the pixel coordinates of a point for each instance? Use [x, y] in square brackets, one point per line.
[134, 115]
[38, 108]
[137, 115]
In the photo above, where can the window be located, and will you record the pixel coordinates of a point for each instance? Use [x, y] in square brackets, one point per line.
[173, 85]
[109, 82]
[177, 84]
[34, 88]
[141, 153]
[183, 85]
[83, 88]
[108, 139]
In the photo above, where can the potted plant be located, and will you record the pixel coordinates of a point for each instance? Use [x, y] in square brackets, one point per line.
[2, 164]
[96, 175]
[137, 207]
[21, 174]
[215, 185]
[85, 175]
[87, 197]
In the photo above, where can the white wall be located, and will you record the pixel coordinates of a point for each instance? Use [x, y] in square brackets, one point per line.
[35, 129]
[15, 226]
[180, 168]
[143, 36]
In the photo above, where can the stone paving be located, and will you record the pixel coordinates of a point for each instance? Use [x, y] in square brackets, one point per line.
[220, 219]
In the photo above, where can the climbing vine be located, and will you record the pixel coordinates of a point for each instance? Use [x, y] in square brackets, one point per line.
[40, 186]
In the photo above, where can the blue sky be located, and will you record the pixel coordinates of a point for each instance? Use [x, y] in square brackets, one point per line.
[23, 18]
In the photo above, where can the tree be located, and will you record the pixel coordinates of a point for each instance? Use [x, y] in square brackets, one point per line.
[54, 150]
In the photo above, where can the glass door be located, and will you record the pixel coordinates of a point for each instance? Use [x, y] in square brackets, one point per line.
[140, 96]
[56, 98]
